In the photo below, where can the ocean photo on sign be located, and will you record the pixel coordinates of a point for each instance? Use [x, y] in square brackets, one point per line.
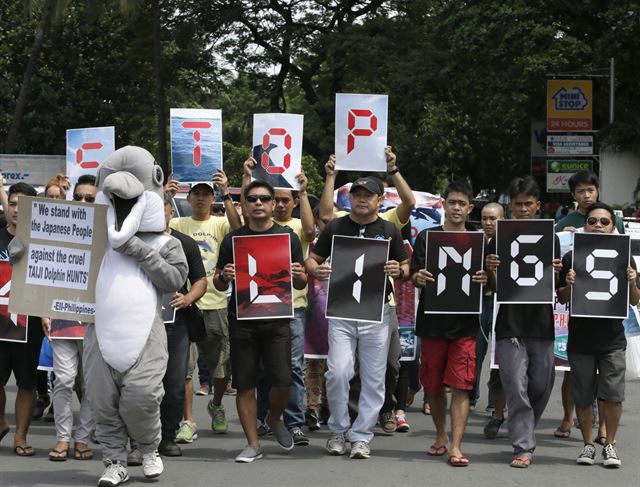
[196, 144]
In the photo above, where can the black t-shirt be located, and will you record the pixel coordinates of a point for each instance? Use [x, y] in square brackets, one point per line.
[525, 320]
[439, 326]
[592, 336]
[225, 255]
[196, 267]
[379, 229]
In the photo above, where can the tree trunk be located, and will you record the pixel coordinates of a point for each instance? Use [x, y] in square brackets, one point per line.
[160, 98]
[21, 101]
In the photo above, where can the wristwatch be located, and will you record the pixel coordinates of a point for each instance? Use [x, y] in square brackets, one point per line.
[226, 197]
[393, 171]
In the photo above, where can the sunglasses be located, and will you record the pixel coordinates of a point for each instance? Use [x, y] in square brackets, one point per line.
[264, 198]
[89, 198]
[592, 220]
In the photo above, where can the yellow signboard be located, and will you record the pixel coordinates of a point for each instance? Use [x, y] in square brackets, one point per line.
[569, 105]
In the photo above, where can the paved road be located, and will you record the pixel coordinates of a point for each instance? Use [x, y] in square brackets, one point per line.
[397, 460]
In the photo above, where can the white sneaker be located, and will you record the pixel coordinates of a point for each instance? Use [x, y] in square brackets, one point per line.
[152, 465]
[360, 449]
[114, 474]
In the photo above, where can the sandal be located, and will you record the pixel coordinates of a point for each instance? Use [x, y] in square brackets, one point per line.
[426, 409]
[458, 461]
[4, 433]
[59, 455]
[602, 440]
[82, 453]
[521, 461]
[562, 433]
[437, 450]
[24, 451]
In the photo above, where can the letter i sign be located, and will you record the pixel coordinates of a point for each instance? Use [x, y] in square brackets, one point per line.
[5, 291]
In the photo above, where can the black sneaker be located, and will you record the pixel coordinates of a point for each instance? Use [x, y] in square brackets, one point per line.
[299, 438]
[587, 455]
[311, 419]
[610, 457]
[492, 428]
[42, 403]
[169, 448]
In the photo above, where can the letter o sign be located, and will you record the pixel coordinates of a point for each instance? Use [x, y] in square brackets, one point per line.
[266, 159]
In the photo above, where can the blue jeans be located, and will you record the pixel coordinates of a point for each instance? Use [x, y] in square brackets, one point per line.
[294, 413]
[172, 404]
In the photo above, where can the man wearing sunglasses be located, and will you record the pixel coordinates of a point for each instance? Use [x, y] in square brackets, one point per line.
[260, 340]
[85, 189]
[304, 227]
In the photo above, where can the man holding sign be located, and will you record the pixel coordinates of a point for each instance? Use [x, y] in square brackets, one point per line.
[19, 358]
[448, 340]
[346, 337]
[259, 340]
[597, 344]
[524, 332]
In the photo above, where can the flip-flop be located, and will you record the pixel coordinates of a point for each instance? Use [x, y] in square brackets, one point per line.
[4, 433]
[24, 451]
[82, 454]
[562, 433]
[59, 455]
[522, 461]
[426, 408]
[458, 461]
[437, 450]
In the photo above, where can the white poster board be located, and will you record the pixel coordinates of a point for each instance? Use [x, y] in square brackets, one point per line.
[87, 149]
[277, 148]
[361, 132]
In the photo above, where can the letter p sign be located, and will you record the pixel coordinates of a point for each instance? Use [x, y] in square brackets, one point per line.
[354, 132]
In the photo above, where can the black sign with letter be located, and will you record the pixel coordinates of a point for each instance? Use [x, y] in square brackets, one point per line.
[600, 262]
[357, 285]
[453, 258]
[525, 273]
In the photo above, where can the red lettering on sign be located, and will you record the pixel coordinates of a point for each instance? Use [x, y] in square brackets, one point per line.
[80, 155]
[266, 160]
[197, 154]
[354, 132]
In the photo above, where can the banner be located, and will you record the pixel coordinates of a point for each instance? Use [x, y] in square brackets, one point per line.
[406, 309]
[196, 144]
[559, 172]
[277, 149]
[526, 251]
[569, 145]
[264, 289]
[316, 327]
[87, 149]
[357, 285]
[361, 132]
[36, 170]
[67, 330]
[569, 105]
[600, 262]
[13, 327]
[453, 258]
[65, 243]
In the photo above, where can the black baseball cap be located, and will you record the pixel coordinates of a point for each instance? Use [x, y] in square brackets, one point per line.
[370, 183]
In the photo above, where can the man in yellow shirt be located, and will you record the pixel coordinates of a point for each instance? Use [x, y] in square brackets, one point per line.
[208, 232]
[304, 227]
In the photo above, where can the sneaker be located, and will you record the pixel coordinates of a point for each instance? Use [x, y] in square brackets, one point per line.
[324, 414]
[492, 428]
[230, 391]
[402, 424]
[299, 438]
[168, 448]
[152, 465]
[587, 455]
[312, 420]
[610, 456]
[188, 432]
[388, 422]
[490, 409]
[264, 429]
[42, 403]
[134, 458]
[249, 454]
[204, 390]
[282, 436]
[336, 444]
[219, 423]
[114, 474]
[360, 449]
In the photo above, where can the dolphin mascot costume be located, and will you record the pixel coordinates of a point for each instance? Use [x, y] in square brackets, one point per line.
[125, 351]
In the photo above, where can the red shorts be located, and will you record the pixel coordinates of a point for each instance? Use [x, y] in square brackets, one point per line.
[447, 363]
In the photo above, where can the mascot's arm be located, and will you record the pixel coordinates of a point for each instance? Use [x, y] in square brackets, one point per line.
[167, 268]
